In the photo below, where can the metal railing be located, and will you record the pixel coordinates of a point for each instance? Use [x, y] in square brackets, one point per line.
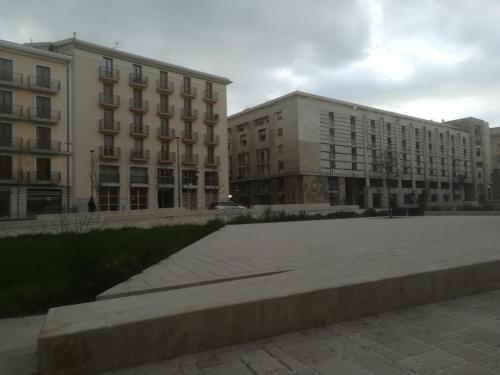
[44, 145]
[140, 105]
[212, 161]
[109, 152]
[166, 133]
[44, 84]
[139, 130]
[109, 74]
[163, 109]
[189, 91]
[211, 117]
[109, 126]
[166, 157]
[43, 177]
[211, 139]
[139, 155]
[138, 80]
[189, 113]
[189, 136]
[109, 100]
[42, 115]
[12, 143]
[210, 96]
[10, 78]
[164, 85]
[11, 111]
[190, 158]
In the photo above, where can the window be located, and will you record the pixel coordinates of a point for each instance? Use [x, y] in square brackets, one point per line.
[138, 175]
[403, 130]
[209, 88]
[417, 146]
[280, 149]
[109, 174]
[416, 133]
[281, 165]
[373, 140]
[163, 79]
[353, 137]
[262, 134]
[138, 198]
[372, 125]
[354, 166]
[332, 133]
[441, 137]
[138, 98]
[5, 167]
[243, 140]
[353, 120]
[5, 135]
[137, 73]
[389, 141]
[354, 151]
[107, 90]
[478, 152]
[280, 132]
[109, 198]
[43, 107]
[165, 176]
[6, 71]
[43, 169]
[279, 116]
[107, 64]
[43, 76]
[331, 116]
[388, 127]
[404, 143]
[43, 138]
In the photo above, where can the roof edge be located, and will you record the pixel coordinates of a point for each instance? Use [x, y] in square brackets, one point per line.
[28, 50]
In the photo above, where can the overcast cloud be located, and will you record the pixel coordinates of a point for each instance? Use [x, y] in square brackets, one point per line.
[435, 59]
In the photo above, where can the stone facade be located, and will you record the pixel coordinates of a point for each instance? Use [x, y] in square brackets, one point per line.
[323, 150]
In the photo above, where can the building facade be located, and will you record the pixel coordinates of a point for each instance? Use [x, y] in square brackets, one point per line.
[495, 163]
[303, 148]
[34, 132]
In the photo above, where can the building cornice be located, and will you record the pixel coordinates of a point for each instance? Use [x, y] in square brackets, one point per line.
[33, 52]
[112, 52]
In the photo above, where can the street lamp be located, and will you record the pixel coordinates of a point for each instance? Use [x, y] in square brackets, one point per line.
[91, 173]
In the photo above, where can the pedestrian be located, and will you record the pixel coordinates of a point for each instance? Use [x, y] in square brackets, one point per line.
[92, 206]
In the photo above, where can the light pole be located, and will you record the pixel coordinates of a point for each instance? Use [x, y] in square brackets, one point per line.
[178, 175]
[91, 173]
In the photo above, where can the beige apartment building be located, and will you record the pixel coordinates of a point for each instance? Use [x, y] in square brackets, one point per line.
[495, 163]
[34, 157]
[145, 133]
[304, 148]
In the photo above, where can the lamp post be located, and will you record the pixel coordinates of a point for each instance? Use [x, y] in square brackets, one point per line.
[178, 175]
[91, 173]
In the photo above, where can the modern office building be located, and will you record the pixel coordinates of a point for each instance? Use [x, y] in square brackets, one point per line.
[80, 120]
[34, 137]
[495, 163]
[304, 148]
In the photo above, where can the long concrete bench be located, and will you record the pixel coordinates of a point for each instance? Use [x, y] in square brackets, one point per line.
[105, 335]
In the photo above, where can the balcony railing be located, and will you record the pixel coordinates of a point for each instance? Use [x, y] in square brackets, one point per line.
[139, 155]
[189, 137]
[46, 116]
[188, 91]
[165, 110]
[9, 176]
[139, 105]
[108, 100]
[42, 177]
[139, 179]
[165, 180]
[210, 96]
[166, 134]
[109, 126]
[11, 112]
[108, 152]
[11, 144]
[139, 130]
[212, 161]
[109, 74]
[211, 139]
[165, 86]
[109, 178]
[138, 80]
[10, 79]
[38, 83]
[189, 159]
[189, 114]
[165, 157]
[44, 146]
[211, 118]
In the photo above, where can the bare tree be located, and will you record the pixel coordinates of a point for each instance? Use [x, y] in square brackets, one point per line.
[387, 164]
[20, 176]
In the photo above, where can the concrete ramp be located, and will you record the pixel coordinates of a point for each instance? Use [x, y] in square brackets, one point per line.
[349, 269]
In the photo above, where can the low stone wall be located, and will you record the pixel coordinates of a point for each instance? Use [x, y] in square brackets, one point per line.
[86, 222]
[462, 213]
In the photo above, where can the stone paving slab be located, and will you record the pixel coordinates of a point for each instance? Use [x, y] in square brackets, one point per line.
[410, 244]
[340, 269]
[375, 345]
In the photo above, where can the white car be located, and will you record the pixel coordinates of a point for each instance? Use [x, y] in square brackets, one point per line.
[226, 205]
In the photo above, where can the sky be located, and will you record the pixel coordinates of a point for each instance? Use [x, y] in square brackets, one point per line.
[434, 59]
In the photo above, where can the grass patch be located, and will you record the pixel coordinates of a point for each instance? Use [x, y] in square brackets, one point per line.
[43, 271]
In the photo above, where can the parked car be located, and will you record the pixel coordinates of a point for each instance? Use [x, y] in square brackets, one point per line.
[226, 205]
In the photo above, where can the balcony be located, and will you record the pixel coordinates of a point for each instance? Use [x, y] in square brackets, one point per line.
[165, 180]
[140, 156]
[164, 86]
[211, 118]
[11, 144]
[189, 159]
[10, 79]
[165, 134]
[109, 127]
[109, 101]
[189, 114]
[48, 117]
[137, 105]
[109, 153]
[44, 178]
[8, 176]
[109, 75]
[139, 81]
[42, 146]
[189, 137]
[139, 130]
[43, 84]
[211, 139]
[210, 96]
[188, 92]
[165, 157]
[212, 161]
[165, 110]
[12, 112]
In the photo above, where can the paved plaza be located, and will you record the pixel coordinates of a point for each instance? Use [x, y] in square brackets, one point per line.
[369, 248]
[457, 337]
